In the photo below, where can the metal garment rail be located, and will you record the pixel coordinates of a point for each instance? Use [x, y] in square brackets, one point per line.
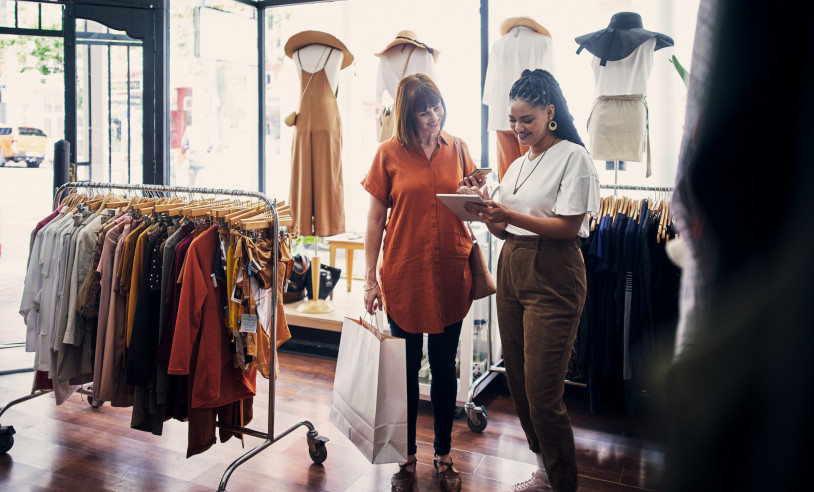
[615, 188]
[316, 443]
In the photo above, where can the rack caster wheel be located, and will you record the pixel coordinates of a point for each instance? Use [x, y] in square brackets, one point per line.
[319, 454]
[479, 424]
[94, 403]
[316, 447]
[6, 438]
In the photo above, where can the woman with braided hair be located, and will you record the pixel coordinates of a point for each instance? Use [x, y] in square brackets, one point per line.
[545, 199]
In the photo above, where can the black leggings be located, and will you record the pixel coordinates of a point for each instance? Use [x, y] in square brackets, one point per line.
[441, 349]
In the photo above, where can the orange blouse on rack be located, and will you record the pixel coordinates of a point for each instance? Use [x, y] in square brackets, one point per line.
[423, 272]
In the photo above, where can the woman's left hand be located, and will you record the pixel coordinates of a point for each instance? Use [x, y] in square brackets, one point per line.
[471, 182]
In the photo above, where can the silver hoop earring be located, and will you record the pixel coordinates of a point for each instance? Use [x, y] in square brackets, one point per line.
[552, 125]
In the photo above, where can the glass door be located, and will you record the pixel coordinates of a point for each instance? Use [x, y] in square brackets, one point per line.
[110, 108]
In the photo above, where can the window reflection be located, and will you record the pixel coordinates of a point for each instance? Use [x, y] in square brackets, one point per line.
[214, 105]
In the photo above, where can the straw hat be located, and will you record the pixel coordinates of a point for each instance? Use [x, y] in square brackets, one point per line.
[305, 38]
[511, 22]
[409, 37]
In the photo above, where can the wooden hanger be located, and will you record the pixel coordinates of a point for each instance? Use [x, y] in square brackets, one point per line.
[175, 203]
[233, 218]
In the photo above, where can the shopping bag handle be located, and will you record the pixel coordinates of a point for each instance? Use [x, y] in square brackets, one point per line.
[374, 320]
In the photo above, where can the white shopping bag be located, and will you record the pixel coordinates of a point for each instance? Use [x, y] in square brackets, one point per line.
[370, 392]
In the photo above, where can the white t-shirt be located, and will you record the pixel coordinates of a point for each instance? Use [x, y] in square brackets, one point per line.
[391, 66]
[626, 76]
[519, 49]
[563, 183]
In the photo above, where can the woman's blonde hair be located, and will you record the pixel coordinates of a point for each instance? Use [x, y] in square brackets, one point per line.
[416, 93]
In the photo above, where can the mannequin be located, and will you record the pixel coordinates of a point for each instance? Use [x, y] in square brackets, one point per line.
[405, 55]
[394, 65]
[317, 194]
[313, 58]
[618, 127]
[524, 44]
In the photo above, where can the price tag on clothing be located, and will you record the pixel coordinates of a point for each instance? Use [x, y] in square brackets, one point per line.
[248, 323]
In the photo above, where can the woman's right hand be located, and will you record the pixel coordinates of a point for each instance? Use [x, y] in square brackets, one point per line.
[373, 298]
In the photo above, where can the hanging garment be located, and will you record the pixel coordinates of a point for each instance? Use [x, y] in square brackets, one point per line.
[105, 271]
[317, 193]
[112, 384]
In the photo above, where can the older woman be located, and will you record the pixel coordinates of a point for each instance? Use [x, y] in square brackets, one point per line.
[423, 281]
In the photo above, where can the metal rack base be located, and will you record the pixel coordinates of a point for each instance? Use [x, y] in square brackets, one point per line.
[316, 443]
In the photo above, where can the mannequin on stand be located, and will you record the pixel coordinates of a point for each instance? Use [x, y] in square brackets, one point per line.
[317, 195]
[524, 44]
[404, 56]
[618, 127]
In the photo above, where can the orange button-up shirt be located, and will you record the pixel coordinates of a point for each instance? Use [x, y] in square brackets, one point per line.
[423, 272]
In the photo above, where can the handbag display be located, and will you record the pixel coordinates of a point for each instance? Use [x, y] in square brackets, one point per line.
[483, 285]
[295, 285]
[328, 278]
[385, 124]
[369, 404]
[385, 121]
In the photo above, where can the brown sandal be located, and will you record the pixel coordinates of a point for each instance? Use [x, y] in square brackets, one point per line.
[404, 479]
[448, 478]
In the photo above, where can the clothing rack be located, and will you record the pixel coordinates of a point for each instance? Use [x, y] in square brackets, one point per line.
[316, 443]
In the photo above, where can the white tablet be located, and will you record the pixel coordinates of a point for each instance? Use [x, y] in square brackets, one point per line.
[456, 202]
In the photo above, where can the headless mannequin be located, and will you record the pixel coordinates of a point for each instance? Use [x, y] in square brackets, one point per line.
[313, 58]
[618, 129]
[520, 48]
[395, 59]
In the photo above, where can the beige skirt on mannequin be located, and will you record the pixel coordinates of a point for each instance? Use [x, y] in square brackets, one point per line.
[618, 129]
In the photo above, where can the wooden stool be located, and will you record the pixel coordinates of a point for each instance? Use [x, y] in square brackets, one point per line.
[349, 242]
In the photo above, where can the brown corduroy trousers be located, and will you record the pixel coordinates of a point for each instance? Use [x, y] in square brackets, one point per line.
[540, 294]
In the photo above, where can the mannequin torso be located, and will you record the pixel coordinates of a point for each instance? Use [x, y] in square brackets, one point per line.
[519, 49]
[391, 66]
[313, 58]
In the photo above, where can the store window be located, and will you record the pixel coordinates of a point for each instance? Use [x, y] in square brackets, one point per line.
[213, 95]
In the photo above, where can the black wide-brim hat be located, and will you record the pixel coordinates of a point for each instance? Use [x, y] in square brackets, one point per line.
[623, 35]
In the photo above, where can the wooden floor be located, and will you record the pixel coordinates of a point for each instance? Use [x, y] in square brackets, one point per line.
[74, 447]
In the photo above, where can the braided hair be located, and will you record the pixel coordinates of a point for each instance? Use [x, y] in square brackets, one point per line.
[539, 88]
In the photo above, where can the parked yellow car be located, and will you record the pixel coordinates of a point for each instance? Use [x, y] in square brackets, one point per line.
[22, 143]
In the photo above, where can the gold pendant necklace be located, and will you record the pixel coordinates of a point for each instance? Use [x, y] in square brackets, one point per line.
[539, 159]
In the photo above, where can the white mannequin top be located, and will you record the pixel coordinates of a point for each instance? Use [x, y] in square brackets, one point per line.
[519, 49]
[391, 64]
[313, 58]
[626, 76]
